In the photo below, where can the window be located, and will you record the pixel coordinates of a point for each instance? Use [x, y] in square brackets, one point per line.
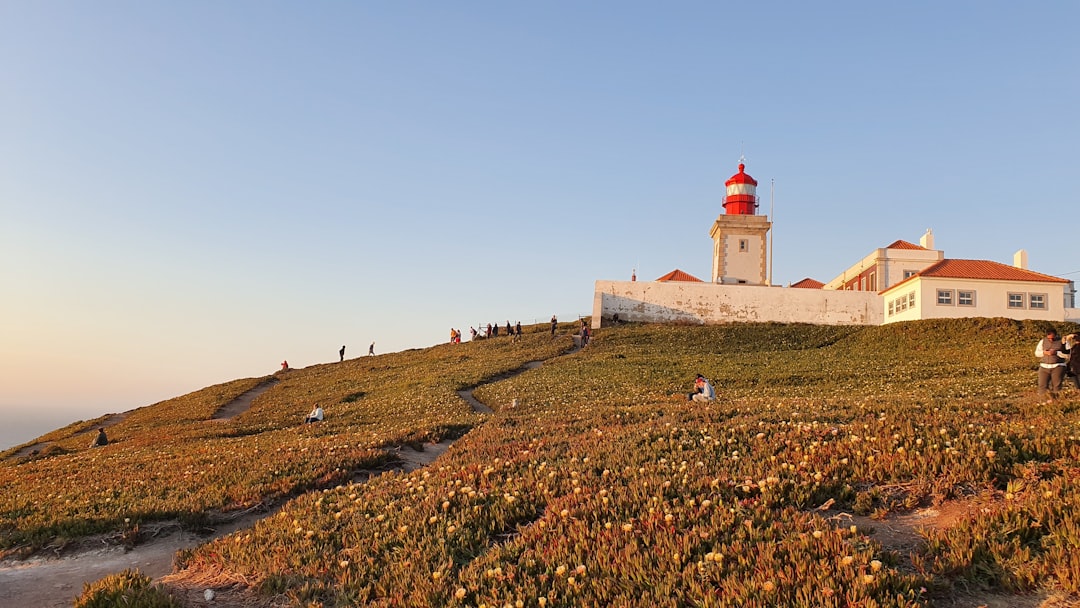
[945, 297]
[1016, 300]
[965, 298]
[743, 245]
[909, 273]
[1037, 300]
[911, 299]
[862, 283]
[873, 281]
[892, 307]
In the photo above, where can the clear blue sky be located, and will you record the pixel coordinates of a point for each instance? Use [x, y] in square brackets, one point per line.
[191, 192]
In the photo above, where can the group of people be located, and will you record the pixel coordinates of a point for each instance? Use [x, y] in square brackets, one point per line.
[491, 331]
[341, 353]
[1056, 363]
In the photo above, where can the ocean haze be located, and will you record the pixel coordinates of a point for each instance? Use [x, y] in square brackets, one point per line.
[25, 428]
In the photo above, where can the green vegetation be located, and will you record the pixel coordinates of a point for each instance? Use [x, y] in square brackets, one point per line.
[604, 487]
[130, 589]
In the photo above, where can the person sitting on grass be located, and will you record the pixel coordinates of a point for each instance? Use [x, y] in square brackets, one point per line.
[101, 439]
[703, 390]
[316, 415]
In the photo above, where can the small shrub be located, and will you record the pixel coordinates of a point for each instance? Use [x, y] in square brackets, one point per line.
[129, 588]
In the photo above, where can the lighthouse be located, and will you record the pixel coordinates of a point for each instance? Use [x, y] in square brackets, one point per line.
[740, 236]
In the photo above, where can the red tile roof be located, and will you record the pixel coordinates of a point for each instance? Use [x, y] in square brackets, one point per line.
[808, 283]
[678, 275]
[980, 269]
[906, 245]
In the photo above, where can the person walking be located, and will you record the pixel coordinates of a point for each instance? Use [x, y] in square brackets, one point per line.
[554, 324]
[341, 353]
[1050, 353]
[371, 349]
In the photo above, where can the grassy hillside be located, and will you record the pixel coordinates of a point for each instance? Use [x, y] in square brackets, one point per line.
[604, 487]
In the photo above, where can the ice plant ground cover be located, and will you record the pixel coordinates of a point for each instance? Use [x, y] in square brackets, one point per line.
[604, 487]
[171, 460]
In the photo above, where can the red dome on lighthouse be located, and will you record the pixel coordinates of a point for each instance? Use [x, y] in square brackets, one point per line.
[741, 196]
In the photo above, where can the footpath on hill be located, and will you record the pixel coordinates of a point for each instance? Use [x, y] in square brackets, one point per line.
[53, 582]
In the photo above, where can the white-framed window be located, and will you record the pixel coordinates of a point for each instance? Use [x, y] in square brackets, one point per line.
[892, 307]
[873, 281]
[862, 283]
[911, 300]
[744, 245]
[1037, 300]
[965, 298]
[945, 297]
[1016, 300]
[909, 273]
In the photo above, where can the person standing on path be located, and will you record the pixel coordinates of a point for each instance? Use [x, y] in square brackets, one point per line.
[341, 353]
[554, 324]
[371, 349]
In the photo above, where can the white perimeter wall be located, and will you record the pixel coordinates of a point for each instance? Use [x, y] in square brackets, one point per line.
[706, 303]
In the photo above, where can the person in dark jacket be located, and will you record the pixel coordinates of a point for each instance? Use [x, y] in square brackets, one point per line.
[1072, 368]
[101, 439]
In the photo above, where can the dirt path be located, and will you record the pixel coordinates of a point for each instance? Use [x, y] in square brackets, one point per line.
[57, 582]
[243, 402]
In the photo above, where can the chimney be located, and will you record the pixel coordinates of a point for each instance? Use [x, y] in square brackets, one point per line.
[1020, 259]
[927, 240]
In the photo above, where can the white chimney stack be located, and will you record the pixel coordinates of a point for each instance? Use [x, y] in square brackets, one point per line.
[927, 240]
[1020, 259]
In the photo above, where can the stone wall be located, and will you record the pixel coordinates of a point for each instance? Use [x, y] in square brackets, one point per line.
[706, 303]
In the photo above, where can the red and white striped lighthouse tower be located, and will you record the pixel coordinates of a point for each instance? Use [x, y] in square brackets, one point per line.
[741, 197]
[740, 235]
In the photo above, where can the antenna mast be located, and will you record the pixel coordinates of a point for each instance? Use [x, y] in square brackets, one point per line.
[772, 237]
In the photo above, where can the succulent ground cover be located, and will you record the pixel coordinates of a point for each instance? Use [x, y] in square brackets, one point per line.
[171, 460]
[604, 487]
